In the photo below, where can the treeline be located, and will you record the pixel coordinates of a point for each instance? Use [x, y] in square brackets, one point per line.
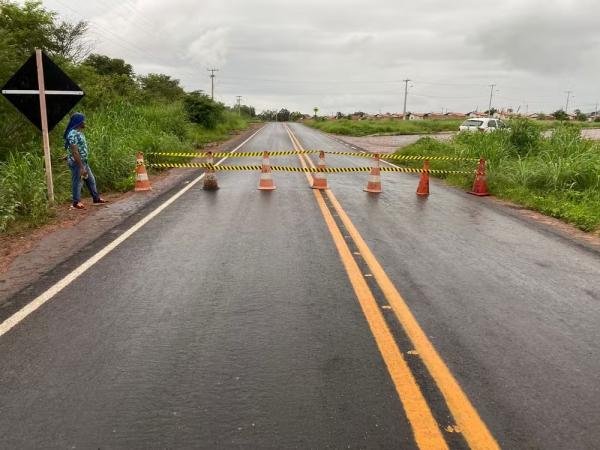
[126, 112]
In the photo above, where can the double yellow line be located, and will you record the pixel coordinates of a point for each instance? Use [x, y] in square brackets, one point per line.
[426, 430]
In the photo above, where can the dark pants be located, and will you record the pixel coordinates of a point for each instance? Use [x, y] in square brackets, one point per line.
[76, 181]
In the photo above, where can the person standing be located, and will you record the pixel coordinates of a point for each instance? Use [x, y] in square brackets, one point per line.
[77, 159]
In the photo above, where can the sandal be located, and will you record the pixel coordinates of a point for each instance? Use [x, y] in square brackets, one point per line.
[100, 200]
[78, 205]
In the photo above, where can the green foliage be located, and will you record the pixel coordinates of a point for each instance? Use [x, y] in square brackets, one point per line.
[27, 27]
[368, 127]
[283, 115]
[200, 108]
[158, 86]
[105, 65]
[525, 136]
[560, 115]
[580, 116]
[247, 111]
[22, 190]
[558, 175]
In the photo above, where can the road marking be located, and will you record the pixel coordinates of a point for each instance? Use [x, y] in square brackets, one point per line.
[426, 430]
[32, 306]
[473, 428]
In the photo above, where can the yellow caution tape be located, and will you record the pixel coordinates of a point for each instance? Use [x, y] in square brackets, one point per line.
[231, 155]
[305, 169]
[304, 152]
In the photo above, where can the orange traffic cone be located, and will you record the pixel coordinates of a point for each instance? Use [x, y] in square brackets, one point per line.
[423, 188]
[374, 183]
[210, 177]
[480, 187]
[320, 178]
[266, 176]
[142, 182]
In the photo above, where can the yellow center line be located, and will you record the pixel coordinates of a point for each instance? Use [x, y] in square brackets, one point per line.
[426, 431]
[467, 418]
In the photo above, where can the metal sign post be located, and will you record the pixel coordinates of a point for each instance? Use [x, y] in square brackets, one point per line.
[44, 119]
[44, 94]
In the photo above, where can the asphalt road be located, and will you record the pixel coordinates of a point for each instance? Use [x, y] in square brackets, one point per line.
[232, 320]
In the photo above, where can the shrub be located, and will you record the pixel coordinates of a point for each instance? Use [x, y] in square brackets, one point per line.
[202, 109]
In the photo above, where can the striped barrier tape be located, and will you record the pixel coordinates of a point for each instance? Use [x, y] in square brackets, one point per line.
[231, 155]
[304, 152]
[305, 169]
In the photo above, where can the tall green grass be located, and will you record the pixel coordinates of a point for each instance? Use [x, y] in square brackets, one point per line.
[114, 135]
[368, 127]
[558, 175]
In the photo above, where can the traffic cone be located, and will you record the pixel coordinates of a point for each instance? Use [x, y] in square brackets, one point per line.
[142, 182]
[266, 176]
[423, 188]
[480, 187]
[374, 183]
[320, 178]
[210, 177]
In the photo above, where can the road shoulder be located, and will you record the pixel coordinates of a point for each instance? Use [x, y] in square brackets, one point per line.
[28, 256]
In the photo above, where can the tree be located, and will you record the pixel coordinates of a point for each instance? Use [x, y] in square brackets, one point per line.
[296, 116]
[69, 41]
[248, 111]
[27, 27]
[283, 115]
[160, 86]
[339, 115]
[31, 26]
[580, 116]
[560, 115]
[105, 65]
[202, 109]
[316, 110]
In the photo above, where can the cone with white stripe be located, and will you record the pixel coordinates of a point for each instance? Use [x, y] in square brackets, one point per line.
[374, 183]
[320, 178]
[266, 176]
[210, 177]
[142, 182]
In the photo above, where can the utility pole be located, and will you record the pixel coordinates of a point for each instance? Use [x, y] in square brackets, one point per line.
[492, 86]
[568, 98]
[405, 95]
[212, 82]
[239, 99]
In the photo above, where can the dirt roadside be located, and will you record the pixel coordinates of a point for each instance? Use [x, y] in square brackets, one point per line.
[25, 257]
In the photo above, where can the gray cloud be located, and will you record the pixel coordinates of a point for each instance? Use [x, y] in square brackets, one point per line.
[350, 55]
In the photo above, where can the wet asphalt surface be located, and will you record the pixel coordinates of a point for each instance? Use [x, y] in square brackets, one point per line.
[228, 321]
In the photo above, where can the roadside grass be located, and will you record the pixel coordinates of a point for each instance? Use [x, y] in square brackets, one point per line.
[369, 127]
[558, 175]
[114, 135]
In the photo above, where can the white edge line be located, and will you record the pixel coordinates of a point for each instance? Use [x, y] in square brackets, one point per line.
[20, 315]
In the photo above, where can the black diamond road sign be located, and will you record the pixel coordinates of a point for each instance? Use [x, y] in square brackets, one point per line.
[22, 91]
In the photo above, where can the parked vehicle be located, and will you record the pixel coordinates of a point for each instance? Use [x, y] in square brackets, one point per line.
[484, 124]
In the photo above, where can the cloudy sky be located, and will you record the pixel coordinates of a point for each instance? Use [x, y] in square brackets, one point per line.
[349, 55]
